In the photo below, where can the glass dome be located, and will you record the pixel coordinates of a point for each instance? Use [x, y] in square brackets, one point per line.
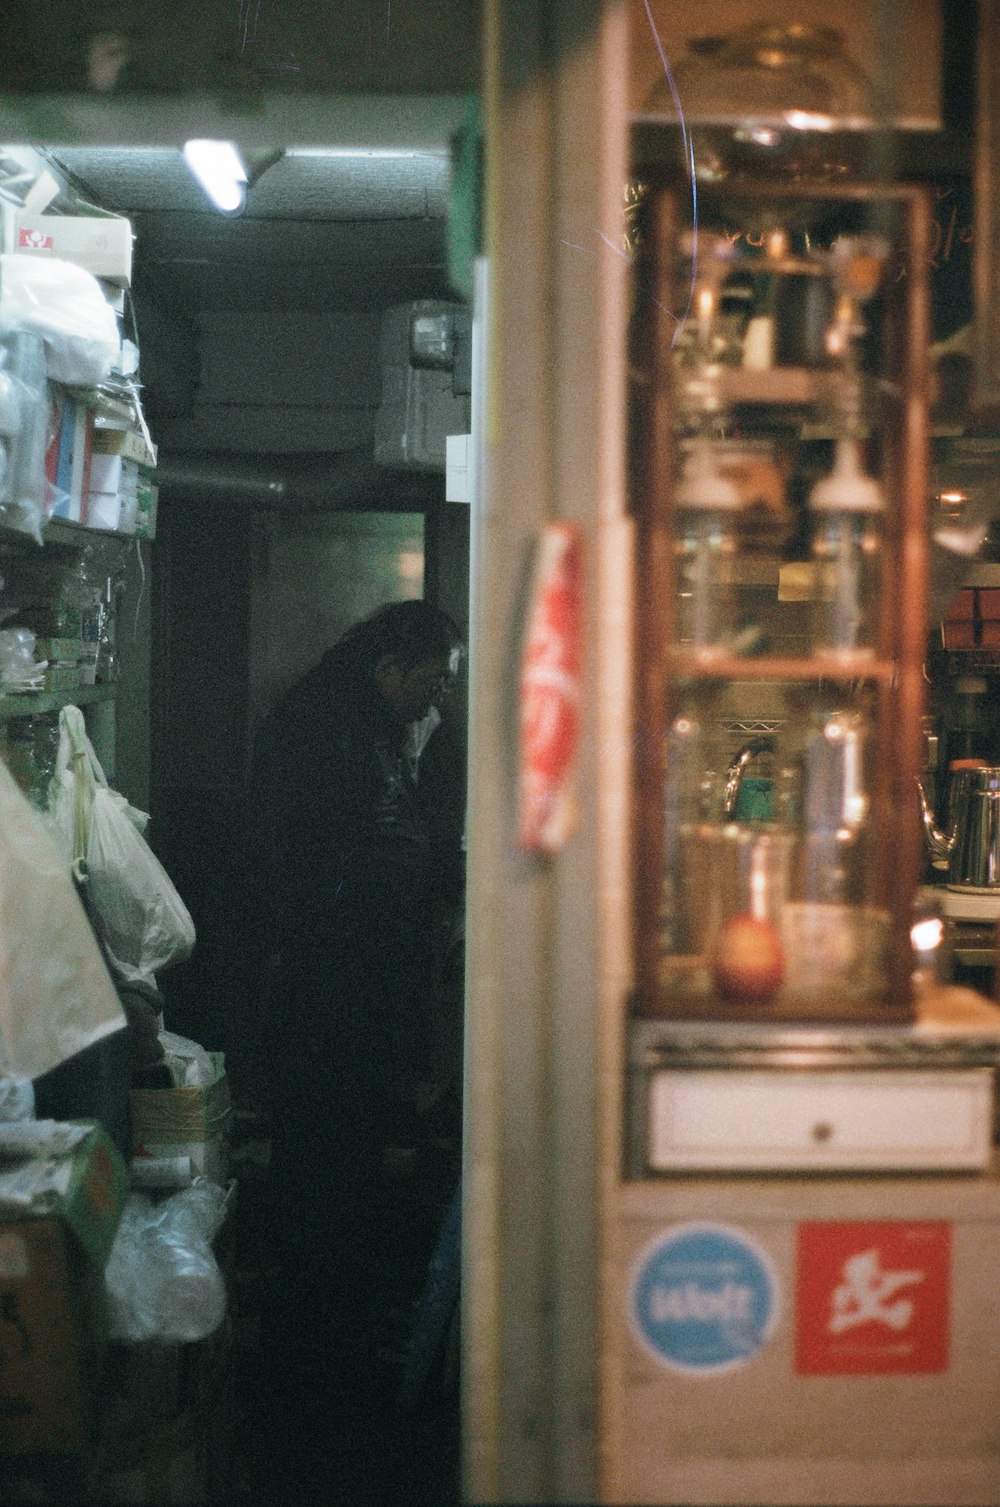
[768, 72]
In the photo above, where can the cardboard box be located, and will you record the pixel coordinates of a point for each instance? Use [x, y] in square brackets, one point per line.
[146, 500]
[62, 677]
[53, 1251]
[127, 444]
[190, 1122]
[69, 459]
[59, 650]
[101, 244]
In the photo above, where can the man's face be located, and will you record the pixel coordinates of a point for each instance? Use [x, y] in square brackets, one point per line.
[413, 691]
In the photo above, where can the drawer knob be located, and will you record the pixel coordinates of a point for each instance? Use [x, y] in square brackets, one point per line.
[822, 1131]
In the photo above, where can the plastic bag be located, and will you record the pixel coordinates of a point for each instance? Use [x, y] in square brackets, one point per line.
[142, 922]
[163, 1281]
[63, 304]
[141, 919]
[189, 1064]
[56, 998]
[77, 775]
[26, 497]
[19, 669]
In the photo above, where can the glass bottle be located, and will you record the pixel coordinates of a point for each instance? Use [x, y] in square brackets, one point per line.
[706, 505]
[847, 508]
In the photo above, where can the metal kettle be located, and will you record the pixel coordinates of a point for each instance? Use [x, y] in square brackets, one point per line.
[757, 806]
[971, 843]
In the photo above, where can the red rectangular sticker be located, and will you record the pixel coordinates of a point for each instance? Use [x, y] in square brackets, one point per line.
[873, 1299]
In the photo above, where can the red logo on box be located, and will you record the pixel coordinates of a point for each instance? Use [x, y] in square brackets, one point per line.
[34, 240]
[872, 1299]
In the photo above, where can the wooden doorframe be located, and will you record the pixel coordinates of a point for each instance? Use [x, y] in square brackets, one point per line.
[547, 964]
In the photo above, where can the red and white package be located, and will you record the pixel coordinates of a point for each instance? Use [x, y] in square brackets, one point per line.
[551, 664]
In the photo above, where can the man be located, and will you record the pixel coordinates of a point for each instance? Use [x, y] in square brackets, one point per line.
[350, 878]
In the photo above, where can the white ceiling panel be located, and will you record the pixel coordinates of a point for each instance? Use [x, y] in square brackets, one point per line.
[299, 185]
[322, 229]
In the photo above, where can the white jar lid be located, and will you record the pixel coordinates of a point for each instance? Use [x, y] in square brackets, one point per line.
[702, 486]
[847, 489]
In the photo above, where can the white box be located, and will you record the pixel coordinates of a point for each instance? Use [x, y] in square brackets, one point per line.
[105, 510]
[101, 244]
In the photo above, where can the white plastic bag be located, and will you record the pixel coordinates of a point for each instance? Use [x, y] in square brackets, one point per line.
[140, 918]
[56, 998]
[65, 306]
[78, 774]
[163, 1281]
[26, 496]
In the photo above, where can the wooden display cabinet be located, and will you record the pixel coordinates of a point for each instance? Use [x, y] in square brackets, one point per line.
[880, 689]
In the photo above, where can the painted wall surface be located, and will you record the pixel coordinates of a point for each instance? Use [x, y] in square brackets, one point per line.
[319, 575]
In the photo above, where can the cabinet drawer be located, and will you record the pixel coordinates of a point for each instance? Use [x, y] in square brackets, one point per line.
[872, 1119]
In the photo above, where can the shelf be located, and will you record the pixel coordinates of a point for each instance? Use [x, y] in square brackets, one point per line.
[691, 664]
[775, 387]
[34, 703]
[62, 533]
[985, 575]
[779, 386]
[975, 957]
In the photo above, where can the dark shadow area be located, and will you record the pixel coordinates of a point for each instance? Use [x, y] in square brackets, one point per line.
[311, 1425]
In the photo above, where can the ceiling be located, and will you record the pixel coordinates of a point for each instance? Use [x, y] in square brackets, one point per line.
[323, 229]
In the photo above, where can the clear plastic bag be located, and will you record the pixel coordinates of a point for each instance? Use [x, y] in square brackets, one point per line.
[64, 305]
[190, 1065]
[19, 669]
[26, 497]
[163, 1281]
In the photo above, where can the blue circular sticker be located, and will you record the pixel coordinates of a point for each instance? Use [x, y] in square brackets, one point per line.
[704, 1298]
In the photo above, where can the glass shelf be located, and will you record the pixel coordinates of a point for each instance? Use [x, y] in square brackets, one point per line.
[689, 664]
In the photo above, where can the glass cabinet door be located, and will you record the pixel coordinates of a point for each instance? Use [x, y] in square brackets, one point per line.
[779, 413]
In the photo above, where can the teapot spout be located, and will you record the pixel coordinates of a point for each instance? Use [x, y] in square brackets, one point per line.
[939, 844]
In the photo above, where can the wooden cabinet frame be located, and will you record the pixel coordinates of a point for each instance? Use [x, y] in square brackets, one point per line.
[896, 674]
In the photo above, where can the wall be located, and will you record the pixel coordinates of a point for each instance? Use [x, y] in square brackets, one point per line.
[279, 382]
[244, 603]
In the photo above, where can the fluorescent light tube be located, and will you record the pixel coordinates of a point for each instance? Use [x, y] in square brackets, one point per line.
[219, 169]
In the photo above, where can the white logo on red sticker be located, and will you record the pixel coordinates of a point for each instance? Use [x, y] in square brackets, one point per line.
[867, 1294]
[34, 240]
[873, 1298]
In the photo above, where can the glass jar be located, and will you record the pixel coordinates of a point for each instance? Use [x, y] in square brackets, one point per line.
[765, 70]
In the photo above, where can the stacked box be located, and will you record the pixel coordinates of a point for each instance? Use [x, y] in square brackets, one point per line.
[188, 1121]
[52, 1300]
